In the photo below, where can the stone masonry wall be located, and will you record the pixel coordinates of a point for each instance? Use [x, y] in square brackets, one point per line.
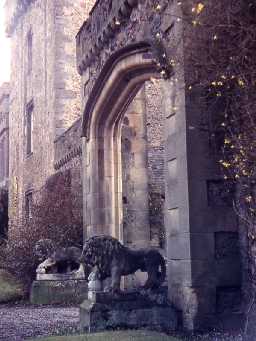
[155, 135]
[136, 230]
[69, 16]
[68, 156]
[154, 160]
[4, 135]
[52, 86]
[28, 172]
[68, 148]
[155, 156]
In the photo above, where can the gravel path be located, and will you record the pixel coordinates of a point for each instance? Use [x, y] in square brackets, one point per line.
[18, 323]
[22, 322]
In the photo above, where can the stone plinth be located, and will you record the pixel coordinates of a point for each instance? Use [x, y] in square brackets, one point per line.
[58, 291]
[129, 310]
[60, 276]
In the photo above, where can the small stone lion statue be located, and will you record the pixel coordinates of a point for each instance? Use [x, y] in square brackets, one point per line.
[112, 259]
[56, 259]
[43, 249]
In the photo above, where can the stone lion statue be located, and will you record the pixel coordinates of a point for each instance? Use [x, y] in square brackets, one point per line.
[43, 249]
[112, 259]
[56, 259]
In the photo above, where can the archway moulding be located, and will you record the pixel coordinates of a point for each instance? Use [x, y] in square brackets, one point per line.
[115, 88]
[133, 64]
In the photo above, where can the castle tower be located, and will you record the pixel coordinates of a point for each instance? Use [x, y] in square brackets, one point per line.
[44, 89]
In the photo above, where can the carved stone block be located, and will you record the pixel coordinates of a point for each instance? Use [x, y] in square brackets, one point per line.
[58, 292]
[129, 310]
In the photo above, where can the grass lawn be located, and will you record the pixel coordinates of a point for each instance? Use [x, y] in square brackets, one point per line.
[113, 336]
[10, 290]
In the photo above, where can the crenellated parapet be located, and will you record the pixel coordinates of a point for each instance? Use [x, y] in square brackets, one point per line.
[105, 20]
[114, 24]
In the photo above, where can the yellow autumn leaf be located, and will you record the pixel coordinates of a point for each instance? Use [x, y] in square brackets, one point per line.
[158, 7]
[240, 82]
[199, 7]
[226, 164]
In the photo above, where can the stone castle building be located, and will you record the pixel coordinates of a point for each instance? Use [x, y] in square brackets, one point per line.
[149, 175]
[44, 92]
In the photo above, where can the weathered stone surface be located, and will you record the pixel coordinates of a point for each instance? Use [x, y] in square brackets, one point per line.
[54, 87]
[4, 135]
[56, 292]
[129, 310]
[193, 213]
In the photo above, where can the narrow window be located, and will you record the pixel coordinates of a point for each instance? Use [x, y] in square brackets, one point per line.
[29, 52]
[28, 204]
[29, 127]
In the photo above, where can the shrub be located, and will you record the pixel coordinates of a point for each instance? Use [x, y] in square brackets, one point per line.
[56, 215]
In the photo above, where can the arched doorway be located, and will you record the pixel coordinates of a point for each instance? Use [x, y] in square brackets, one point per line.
[126, 73]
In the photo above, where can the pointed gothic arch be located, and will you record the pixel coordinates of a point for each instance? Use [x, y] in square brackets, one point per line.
[118, 83]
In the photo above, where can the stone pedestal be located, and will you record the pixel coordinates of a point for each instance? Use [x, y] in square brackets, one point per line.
[70, 291]
[128, 310]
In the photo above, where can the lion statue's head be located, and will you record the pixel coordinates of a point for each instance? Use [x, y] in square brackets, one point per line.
[99, 251]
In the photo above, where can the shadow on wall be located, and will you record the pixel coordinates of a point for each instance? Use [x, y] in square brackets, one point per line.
[3, 214]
